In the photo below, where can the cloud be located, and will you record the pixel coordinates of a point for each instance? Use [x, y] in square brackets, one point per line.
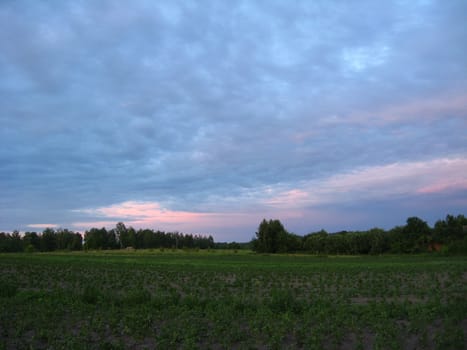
[396, 180]
[141, 214]
[390, 182]
[420, 110]
[403, 178]
[356, 60]
[202, 108]
[289, 198]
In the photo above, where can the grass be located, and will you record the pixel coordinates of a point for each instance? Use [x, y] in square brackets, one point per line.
[224, 300]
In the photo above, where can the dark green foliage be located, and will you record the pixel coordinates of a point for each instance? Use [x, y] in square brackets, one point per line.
[100, 239]
[31, 241]
[316, 242]
[451, 229]
[10, 242]
[414, 237]
[123, 237]
[272, 237]
[48, 240]
[458, 247]
[67, 240]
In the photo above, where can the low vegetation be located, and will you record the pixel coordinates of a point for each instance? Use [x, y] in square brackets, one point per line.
[215, 299]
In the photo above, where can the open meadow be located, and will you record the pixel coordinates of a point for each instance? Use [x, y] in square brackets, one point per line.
[228, 300]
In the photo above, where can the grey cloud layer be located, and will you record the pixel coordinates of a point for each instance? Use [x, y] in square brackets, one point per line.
[182, 102]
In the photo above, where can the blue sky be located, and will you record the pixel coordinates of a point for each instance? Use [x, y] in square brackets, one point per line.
[208, 116]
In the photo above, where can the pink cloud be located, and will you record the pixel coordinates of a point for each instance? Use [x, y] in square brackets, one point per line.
[146, 211]
[377, 182]
[437, 175]
[141, 213]
[152, 215]
[444, 185]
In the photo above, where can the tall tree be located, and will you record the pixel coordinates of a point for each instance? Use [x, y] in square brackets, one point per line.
[271, 237]
[121, 234]
[31, 241]
[416, 234]
[48, 240]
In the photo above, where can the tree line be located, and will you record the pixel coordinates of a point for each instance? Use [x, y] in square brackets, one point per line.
[47, 241]
[416, 236]
[120, 237]
[127, 237]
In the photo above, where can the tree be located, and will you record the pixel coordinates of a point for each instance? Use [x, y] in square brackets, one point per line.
[121, 234]
[148, 238]
[416, 234]
[31, 241]
[16, 243]
[316, 242]
[4, 246]
[378, 241]
[451, 229]
[77, 243]
[132, 238]
[416, 225]
[271, 237]
[96, 238]
[453, 233]
[68, 240]
[48, 240]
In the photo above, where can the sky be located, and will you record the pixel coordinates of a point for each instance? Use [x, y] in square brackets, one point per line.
[205, 117]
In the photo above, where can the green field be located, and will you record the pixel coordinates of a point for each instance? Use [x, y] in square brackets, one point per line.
[227, 300]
